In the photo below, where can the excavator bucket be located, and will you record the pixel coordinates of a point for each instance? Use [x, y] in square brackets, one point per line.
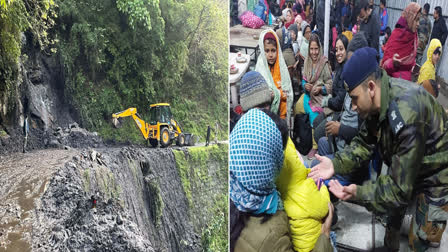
[116, 122]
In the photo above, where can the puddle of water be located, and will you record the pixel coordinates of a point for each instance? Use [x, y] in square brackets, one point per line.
[9, 224]
[17, 244]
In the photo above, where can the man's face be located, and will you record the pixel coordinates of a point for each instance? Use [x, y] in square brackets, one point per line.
[362, 101]
[271, 52]
[436, 15]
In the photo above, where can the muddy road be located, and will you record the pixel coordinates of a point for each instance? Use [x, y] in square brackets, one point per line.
[23, 179]
[142, 201]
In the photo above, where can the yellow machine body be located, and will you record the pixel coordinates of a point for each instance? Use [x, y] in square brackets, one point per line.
[160, 119]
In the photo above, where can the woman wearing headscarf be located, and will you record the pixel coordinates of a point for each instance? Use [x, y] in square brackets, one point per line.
[254, 200]
[317, 84]
[428, 70]
[335, 101]
[401, 49]
[271, 65]
[306, 30]
[258, 222]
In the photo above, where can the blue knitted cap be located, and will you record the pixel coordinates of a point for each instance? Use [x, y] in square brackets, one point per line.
[254, 91]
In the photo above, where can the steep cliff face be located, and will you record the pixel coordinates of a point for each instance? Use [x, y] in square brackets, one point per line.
[37, 93]
[144, 201]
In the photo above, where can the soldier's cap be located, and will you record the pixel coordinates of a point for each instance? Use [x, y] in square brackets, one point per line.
[359, 67]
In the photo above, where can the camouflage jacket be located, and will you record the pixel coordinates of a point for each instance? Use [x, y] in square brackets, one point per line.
[410, 135]
[424, 33]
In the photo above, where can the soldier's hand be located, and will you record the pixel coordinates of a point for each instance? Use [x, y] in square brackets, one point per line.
[324, 169]
[332, 128]
[342, 192]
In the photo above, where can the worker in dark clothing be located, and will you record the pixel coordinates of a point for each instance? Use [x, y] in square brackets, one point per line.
[26, 130]
[369, 23]
[408, 127]
[207, 140]
[439, 31]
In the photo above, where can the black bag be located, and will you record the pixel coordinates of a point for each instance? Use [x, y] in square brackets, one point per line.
[275, 9]
[302, 133]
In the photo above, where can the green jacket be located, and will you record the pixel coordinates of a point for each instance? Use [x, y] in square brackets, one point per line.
[410, 135]
[272, 236]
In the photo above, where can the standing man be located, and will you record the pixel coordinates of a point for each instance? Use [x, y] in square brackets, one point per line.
[424, 32]
[207, 139]
[408, 127]
[26, 130]
[369, 23]
[440, 31]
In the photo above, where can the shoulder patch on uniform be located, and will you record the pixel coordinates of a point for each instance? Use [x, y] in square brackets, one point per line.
[395, 119]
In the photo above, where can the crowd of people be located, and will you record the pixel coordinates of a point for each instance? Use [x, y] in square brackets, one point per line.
[308, 123]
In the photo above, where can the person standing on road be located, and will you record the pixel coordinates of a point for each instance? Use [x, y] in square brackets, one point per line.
[26, 130]
[207, 139]
[408, 127]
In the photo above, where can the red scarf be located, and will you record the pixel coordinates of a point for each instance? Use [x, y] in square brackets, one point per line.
[401, 41]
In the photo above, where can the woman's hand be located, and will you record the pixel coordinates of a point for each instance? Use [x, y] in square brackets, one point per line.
[316, 90]
[308, 87]
[396, 60]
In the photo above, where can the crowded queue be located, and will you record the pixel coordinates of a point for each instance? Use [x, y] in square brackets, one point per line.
[312, 128]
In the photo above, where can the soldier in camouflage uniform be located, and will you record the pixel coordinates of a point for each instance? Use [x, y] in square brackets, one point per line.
[424, 32]
[408, 127]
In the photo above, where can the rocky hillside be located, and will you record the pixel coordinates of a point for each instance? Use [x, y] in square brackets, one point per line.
[115, 199]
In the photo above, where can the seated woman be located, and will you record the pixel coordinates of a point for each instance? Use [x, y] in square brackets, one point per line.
[272, 67]
[257, 219]
[401, 49]
[428, 70]
[335, 101]
[317, 84]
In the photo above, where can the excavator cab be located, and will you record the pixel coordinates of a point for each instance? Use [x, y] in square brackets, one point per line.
[161, 127]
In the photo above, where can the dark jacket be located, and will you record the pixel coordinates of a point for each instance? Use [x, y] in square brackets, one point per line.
[338, 91]
[439, 31]
[372, 30]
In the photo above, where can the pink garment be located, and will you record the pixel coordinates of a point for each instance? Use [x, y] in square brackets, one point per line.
[315, 109]
[335, 36]
[402, 72]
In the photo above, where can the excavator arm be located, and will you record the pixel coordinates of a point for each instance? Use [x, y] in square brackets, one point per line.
[141, 124]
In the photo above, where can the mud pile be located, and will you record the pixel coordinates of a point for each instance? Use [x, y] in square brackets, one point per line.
[73, 137]
[69, 219]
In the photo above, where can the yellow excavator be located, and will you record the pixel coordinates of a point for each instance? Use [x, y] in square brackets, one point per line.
[161, 127]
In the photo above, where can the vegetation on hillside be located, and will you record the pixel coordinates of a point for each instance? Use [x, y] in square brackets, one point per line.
[206, 167]
[132, 53]
[127, 53]
[36, 18]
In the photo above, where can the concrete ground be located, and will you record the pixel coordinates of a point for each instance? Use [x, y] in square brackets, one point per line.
[354, 231]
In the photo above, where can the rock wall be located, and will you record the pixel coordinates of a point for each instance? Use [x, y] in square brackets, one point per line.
[142, 203]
